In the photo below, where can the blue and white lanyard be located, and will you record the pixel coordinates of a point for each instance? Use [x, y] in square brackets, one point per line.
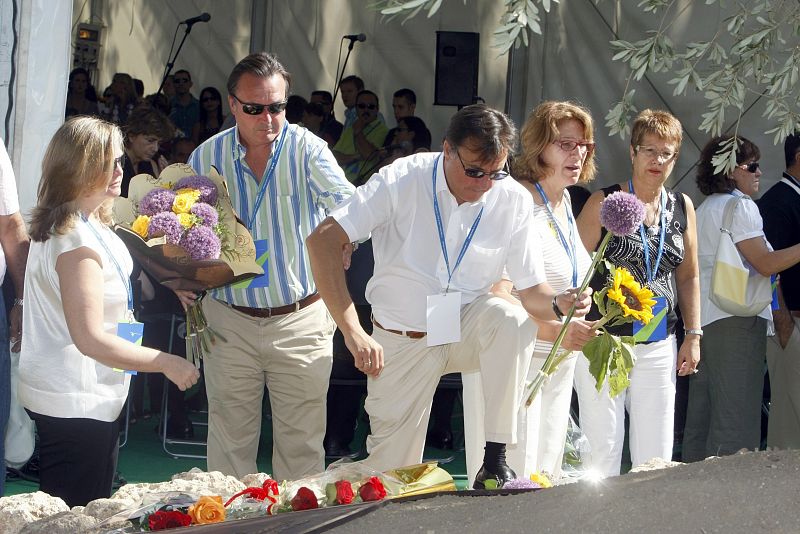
[440, 227]
[126, 281]
[251, 219]
[569, 248]
[651, 272]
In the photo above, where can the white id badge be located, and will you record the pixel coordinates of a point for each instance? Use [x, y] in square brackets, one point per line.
[444, 319]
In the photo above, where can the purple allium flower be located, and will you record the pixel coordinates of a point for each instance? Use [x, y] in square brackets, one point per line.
[202, 243]
[207, 188]
[166, 224]
[155, 201]
[521, 483]
[621, 213]
[206, 212]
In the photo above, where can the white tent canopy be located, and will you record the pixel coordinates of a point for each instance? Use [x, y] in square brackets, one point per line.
[572, 60]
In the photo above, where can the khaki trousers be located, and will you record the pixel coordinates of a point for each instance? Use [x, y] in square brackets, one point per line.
[496, 339]
[784, 380]
[292, 355]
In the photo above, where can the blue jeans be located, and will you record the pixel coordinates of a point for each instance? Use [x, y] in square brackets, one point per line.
[5, 390]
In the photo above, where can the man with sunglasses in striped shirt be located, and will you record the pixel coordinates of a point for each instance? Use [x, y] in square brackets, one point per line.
[282, 181]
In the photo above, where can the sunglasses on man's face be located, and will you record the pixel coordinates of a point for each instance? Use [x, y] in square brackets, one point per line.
[181, 80]
[367, 106]
[257, 109]
[473, 172]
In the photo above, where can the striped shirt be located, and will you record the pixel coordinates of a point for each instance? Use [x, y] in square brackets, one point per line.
[306, 185]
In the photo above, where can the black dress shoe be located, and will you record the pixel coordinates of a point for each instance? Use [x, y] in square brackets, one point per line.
[440, 438]
[501, 477]
[334, 449]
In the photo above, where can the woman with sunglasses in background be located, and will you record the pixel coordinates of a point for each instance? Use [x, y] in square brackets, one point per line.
[211, 116]
[662, 256]
[78, 316]
[724, 412]
[557, 152]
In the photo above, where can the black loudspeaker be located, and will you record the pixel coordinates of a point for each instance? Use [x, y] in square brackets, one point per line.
[456, 68]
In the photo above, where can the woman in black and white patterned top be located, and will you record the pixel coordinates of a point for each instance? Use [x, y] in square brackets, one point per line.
[662, 255]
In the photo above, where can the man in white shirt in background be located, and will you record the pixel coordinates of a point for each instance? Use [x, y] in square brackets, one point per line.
[444, 226]
[14, 243]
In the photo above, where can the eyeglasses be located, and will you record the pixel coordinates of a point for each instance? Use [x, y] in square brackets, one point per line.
[402, 129]
[367, 106]
[209, 99]
[180, 80]
[569, 146]
[257, 109]
[751, 167]
[480, 173]
[652, 153]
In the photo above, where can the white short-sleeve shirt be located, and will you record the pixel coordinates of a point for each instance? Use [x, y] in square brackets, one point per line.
[55, 378]
[9, 202]
[396, 208]
[747, 224]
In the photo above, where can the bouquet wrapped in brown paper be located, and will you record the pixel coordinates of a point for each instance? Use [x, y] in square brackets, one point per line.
[183, 230]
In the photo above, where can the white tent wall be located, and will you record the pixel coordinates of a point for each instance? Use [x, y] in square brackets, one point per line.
[306, 35]
[572, 60]
[40, 85]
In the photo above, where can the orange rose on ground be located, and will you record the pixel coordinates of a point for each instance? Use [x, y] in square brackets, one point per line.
[207, 509]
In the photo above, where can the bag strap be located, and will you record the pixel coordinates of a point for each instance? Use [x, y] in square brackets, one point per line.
[727, 215]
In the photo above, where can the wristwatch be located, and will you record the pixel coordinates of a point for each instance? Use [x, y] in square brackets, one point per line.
[693, 331]
[556, 309]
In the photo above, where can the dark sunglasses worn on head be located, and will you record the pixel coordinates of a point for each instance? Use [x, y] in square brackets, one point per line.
[480, 173]
[365, 106]
[258, 109]
[751, 167]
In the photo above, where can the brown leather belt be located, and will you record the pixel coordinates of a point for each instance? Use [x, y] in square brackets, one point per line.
[407, 333]
[280, 310]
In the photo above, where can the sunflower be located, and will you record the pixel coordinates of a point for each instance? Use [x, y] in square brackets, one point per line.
[636, 301]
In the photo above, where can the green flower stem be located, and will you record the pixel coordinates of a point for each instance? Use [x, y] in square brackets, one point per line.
[550, 366]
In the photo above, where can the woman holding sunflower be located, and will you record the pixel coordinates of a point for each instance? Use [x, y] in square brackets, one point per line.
[557, 152]
[662, 258]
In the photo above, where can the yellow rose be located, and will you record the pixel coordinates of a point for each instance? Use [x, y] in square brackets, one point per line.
[187, 220]
[141, 225]
[184, 200]
[207, 509]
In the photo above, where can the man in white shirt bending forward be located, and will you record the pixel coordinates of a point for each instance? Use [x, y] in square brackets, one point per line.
[444, 227]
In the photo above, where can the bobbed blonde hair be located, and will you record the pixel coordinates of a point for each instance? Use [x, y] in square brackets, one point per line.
[541, 129]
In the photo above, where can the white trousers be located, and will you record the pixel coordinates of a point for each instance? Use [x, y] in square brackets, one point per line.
[541, 428]
[649, 400]
[496, 340]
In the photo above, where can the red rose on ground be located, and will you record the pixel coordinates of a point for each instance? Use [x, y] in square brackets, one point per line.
[304, 499]
[372, 490]
[344, 492]
[163, 520]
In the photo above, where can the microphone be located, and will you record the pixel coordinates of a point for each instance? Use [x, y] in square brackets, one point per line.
[205, 17]
[360, 37]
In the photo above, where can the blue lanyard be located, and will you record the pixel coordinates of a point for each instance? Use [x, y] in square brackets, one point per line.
[440, 228]
[651, 272]
[126, 281]
[251, 219]
[568, 248]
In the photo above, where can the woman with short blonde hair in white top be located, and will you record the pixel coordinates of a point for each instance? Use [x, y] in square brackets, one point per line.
[78, 307]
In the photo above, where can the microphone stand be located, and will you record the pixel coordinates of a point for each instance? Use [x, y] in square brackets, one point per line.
[171, 61]
[344, 66]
